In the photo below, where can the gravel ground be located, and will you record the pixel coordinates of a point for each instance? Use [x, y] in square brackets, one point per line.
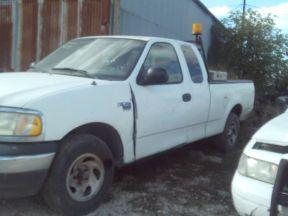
[192, 180]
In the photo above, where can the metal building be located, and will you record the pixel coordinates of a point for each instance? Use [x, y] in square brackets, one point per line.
[166, 18]
[31, 29]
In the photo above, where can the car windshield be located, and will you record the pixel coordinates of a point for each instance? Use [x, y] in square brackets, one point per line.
[102, 58]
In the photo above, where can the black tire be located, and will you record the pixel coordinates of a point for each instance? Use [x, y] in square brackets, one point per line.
[57, 191]
[226, 141]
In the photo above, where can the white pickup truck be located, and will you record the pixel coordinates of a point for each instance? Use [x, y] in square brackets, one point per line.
[100, 102]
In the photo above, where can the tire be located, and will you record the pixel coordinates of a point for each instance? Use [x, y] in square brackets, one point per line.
[228, 139]
[80, 175]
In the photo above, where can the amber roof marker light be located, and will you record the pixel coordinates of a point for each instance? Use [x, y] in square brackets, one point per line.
[196, 28]
[197, 32]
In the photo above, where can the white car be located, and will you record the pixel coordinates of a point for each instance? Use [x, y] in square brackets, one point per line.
[254, 180]
[101, 102]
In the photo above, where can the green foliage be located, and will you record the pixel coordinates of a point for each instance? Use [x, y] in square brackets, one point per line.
[253, 50]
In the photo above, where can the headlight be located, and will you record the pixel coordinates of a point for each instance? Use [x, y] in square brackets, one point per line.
[257, 169]
[19, 123]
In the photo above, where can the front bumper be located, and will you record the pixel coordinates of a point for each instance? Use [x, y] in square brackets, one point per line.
[24, 167]
[251, 197]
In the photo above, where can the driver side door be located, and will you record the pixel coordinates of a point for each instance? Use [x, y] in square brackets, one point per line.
[161, 111]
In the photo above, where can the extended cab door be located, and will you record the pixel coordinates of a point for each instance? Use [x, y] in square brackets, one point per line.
[165, 112]
[200, 91]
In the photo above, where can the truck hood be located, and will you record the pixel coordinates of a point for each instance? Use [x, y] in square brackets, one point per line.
[18, 88]
[274, 131]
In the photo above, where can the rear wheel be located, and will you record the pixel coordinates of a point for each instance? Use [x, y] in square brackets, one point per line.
[81, 174]
[227, 141]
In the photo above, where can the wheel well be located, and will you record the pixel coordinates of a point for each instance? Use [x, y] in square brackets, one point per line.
[237, 109]
[108, 134]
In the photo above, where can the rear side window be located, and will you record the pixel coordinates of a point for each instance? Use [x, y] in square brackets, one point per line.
[193, 64]
[163, 55]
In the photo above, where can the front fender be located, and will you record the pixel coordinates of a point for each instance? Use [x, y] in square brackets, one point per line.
[67, 110]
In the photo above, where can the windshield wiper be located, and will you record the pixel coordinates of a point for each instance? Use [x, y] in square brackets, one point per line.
[72, 71]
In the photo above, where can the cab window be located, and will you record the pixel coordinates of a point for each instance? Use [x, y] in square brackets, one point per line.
[193, 64]
[163, 55]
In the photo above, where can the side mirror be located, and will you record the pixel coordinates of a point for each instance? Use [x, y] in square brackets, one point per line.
[153, 76]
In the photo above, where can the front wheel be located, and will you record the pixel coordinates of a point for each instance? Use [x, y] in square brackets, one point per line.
[227, 141]
[81, 174]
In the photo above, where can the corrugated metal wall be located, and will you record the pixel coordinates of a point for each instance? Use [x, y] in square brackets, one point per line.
[31, 29]
[164, 18]
[27, 40]
[6, 24]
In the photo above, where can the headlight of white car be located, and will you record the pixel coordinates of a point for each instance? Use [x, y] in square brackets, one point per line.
[257, 169]
[20, 122]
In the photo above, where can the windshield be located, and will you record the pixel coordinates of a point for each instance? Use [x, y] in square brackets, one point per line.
[103, 58]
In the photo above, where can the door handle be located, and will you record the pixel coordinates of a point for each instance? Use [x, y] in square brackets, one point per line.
[186, 97]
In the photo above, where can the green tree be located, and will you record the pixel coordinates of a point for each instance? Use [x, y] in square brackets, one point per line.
[253, 50]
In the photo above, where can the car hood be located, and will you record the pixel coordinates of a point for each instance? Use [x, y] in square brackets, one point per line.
[274, 131]
[18, 88]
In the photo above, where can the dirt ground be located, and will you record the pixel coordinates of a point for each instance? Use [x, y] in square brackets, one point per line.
[192, 180]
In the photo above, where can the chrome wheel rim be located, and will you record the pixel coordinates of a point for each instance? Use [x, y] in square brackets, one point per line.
[85, 177]
[232, 134]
